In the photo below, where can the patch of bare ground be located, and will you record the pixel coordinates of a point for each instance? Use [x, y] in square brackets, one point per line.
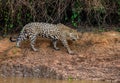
[97, 58]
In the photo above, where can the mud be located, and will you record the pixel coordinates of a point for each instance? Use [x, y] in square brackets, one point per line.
[97, 57]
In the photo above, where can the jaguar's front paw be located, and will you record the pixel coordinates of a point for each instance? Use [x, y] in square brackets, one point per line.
[57, 48]
[36, 50]
[71, 52]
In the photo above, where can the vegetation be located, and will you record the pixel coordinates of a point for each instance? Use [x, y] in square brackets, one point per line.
[16, 13]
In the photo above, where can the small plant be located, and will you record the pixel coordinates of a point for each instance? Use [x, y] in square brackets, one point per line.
[118, 1]
[70, 78]
[14, 51]
[101, 30]
[118, 29]
[76, 10]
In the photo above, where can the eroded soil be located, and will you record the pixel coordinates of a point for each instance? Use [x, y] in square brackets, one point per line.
[97, 58]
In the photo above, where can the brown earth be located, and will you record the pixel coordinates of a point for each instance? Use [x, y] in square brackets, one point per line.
[97, 58]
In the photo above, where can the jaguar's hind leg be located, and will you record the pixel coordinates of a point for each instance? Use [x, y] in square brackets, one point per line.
[32, 42]
[54, 44]
[18, 43]
[20, 38]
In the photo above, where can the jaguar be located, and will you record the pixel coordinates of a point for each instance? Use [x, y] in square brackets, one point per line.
[54, 32]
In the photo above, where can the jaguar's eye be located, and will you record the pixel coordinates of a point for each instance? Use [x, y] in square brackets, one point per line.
[73, 39]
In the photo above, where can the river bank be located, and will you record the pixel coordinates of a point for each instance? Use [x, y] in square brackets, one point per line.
[97, 58]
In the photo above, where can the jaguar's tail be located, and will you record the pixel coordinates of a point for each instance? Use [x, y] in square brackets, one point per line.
[13, 39]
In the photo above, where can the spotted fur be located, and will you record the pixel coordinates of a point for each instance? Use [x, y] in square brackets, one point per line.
[53, 31]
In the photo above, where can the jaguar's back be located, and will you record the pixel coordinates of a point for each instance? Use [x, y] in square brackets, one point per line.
[43, 29]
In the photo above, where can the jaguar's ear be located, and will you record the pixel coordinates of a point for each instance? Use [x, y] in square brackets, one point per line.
[71, 31]
[59, 24]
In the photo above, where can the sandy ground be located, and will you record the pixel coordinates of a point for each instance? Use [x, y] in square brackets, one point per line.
[97, 57]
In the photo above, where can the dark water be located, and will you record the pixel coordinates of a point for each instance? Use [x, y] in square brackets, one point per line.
[40, 80]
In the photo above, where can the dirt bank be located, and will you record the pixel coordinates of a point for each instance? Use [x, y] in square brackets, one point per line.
[97, 58]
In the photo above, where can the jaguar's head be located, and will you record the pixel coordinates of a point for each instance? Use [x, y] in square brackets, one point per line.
[71, 34]
[74, 35]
